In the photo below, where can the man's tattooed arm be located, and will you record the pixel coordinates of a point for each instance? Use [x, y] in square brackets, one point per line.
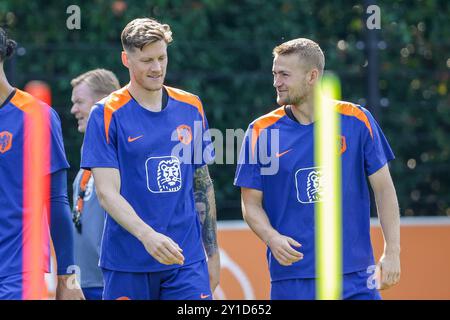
[206, 207]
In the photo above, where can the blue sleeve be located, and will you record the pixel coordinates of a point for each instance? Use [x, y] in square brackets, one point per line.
[377, 151]
[60, 222]
[98, 151]
[204, 152]
[58, 154]
[248, 171]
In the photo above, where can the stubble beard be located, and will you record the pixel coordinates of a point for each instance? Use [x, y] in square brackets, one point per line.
[289, 100]
[152, 88]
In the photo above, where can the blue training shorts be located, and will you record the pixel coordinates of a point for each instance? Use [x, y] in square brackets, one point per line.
[189, 282]
[93, 293]
[356, 286]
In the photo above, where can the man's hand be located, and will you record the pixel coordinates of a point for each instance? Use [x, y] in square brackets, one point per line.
[162, 248]
[214, 271]
[389, 215]
[281, 248]
[254, 214]
[390, 270]
[68, 288]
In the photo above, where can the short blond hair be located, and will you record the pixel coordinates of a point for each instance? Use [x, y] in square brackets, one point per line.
[142, 31]
[101, 81]
[306, 49]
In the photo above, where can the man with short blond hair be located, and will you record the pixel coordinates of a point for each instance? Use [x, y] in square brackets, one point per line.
[88, 215]
[160, 203]
[279, 207]
[305, 49]
[140, 32]
[101, 81]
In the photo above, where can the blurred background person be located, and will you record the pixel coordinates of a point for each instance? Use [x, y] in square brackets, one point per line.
[88, 216]
[21, 267]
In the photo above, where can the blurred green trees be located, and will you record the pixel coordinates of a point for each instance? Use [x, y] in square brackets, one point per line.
[222, 52]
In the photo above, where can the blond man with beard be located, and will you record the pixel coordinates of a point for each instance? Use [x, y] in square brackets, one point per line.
[279, 207]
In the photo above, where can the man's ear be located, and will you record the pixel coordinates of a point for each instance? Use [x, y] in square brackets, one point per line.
[125, 58]
[313, 76]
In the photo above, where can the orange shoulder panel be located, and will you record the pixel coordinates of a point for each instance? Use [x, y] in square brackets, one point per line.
[114, 102]
[351, 110]
[24, 101]
[265, 122]
[188, 98]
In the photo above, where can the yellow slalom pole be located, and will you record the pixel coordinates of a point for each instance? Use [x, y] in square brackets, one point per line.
[328, 211]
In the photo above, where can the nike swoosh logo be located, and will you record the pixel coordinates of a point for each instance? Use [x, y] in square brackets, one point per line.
[282, 154]
[204, 296]
[130, 139]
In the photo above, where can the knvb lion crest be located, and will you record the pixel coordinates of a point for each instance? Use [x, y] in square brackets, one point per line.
[169, 175]
[163, 174]
[314, 186]
[5, 141]
[342, 144]
[184, 133]
[310, 183]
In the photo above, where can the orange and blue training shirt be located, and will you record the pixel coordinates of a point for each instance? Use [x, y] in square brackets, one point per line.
[156, 154]
[293, 186]
[18, 110]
